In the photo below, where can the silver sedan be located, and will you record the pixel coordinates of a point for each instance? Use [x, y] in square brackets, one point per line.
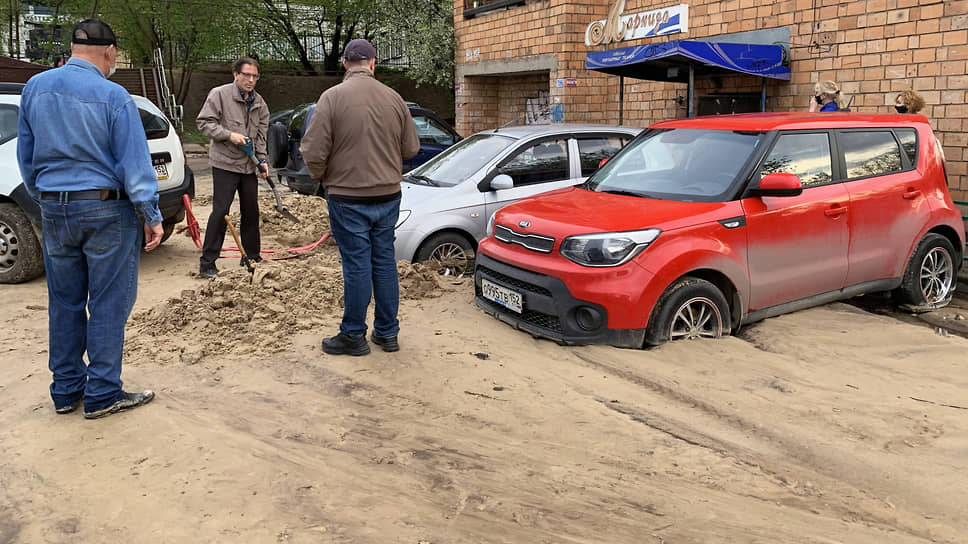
[447, 201]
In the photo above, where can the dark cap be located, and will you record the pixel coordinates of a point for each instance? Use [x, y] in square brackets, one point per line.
[93, 32]
[359, 49]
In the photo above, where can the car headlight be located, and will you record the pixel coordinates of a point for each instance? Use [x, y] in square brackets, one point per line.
[607, 248]
[403, 216]
[489, 231]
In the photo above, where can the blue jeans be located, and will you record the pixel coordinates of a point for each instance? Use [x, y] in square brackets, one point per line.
[364, 234]
[91, 252]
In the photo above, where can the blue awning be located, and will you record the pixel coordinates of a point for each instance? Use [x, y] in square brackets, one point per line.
[670, 61]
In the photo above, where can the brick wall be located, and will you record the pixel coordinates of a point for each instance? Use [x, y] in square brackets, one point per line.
[872, 48]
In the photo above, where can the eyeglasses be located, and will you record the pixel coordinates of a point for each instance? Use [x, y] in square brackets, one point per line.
[249, 76]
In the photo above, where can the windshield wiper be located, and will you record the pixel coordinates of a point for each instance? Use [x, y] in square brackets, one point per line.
[624, 193]
[424, 179]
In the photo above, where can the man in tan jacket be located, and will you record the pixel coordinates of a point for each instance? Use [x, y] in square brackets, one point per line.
[232, 115]
[357, 139]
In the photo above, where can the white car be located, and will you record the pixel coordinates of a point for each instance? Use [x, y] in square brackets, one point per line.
[447, 201]
[20, 253]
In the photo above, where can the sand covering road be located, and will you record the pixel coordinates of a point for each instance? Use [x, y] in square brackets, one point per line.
[827, 425]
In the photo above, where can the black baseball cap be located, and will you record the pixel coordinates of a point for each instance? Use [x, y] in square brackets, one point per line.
[93, 32]
[359, 49]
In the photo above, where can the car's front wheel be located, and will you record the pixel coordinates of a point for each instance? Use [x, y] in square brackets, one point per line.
[929, 280]
[20, 254]
[450, 251]
[690, 308]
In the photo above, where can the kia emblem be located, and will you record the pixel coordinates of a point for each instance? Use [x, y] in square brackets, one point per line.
[524, 224]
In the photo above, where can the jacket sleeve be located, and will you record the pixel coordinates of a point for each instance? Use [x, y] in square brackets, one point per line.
[317, 141]
[209, 118]
[25, 151]
[130, 148]
[261, 138]
[409, 140]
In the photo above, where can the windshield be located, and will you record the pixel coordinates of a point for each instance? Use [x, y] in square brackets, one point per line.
[678, 164]
[461, 161]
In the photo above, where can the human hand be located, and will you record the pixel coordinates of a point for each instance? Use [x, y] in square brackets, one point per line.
[264, 171]
[153, 236]
[237, 139]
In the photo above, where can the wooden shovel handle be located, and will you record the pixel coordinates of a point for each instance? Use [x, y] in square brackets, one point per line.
[235, 235]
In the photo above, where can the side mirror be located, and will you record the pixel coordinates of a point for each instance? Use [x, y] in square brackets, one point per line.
[603, 161]
[501, 181]
[779, 184]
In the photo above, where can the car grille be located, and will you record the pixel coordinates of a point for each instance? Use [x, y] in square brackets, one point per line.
[534, 242]
[538, 319]
[514, 282]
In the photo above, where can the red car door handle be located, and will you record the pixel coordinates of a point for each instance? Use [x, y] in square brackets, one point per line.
[912, 194]
[834, 212]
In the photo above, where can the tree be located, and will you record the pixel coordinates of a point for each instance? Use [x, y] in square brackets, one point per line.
[427, 30]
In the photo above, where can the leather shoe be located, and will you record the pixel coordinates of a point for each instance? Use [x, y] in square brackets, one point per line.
[389, 343]
[68, 408]
[127, 402]
[345, 345]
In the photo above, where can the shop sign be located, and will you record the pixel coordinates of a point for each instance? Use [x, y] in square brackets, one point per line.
[618, 27]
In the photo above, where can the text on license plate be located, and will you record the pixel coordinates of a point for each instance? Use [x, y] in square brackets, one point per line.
[511, 300]
[162, 171]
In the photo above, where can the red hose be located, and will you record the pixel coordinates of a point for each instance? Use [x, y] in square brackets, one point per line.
[192, 224]
[195, 234]
[290, 253]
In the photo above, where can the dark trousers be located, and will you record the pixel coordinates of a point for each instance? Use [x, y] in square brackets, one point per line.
[224, 186]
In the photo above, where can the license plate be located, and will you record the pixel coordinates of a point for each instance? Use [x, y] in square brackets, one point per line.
[512, 300]
[162, 171]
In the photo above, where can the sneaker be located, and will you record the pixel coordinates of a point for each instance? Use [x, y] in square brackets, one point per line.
[389, 343]
[345, 345]
[256, 260]
[207, 271]
[66, 409]
[127, 402]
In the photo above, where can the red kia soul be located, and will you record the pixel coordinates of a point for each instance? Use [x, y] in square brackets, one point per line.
[701, 225]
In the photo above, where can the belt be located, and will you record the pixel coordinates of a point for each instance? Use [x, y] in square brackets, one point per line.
[93, 194]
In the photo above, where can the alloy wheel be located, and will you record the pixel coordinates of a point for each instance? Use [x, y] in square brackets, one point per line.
[937, 275]
[452, 259]
[9, 246]
[698, 317]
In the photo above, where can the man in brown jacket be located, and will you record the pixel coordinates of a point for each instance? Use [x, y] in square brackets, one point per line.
[234, 114]
[357, 139]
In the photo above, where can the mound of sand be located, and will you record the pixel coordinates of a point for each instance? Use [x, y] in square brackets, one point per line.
[239, 312]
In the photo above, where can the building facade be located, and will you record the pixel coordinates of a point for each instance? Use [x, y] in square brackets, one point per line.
[522, 61]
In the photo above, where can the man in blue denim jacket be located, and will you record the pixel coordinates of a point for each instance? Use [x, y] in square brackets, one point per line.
[84, 158]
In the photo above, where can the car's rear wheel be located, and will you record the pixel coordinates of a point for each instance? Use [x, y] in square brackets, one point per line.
[450, 251]
[929, 280]
[690, 308]
[277, 145]
[168, 229]
[20, 254]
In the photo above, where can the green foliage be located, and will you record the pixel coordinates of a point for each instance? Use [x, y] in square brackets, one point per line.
[191, 135]
[189, 32]
[427, 29]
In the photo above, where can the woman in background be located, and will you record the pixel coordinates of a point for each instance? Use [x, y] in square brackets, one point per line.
[827, 97]
[909, 102]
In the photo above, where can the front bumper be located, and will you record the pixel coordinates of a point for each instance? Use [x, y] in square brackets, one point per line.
[170, 201]
[550, 311]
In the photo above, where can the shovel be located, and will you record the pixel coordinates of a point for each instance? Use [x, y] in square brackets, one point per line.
[245, 258]
[249, 149]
